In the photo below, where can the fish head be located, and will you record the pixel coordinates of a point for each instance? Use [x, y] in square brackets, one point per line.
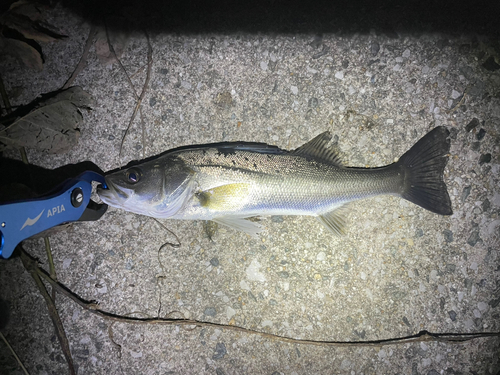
[157, 188]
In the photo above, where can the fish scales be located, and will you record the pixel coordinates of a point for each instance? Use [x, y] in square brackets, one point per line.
[288, 184]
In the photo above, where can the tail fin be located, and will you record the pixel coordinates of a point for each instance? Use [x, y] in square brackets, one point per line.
[424, 165]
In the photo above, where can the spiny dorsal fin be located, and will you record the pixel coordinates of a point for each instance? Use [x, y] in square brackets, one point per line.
[318, 149]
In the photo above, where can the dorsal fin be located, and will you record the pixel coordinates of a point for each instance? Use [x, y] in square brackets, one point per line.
[318, 149]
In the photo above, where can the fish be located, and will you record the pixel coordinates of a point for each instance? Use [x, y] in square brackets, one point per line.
[230, 182]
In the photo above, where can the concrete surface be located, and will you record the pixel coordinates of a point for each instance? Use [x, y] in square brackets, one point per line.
[400, 270]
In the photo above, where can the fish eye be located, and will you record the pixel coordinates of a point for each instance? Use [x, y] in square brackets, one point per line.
[133, 175]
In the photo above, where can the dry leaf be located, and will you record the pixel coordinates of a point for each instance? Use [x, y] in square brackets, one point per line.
[51, 127]
[20, 28]
[22, 51]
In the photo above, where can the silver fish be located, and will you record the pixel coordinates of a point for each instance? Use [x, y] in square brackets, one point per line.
[230, 182]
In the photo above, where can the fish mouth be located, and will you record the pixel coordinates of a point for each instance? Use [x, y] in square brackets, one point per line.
[111, 194]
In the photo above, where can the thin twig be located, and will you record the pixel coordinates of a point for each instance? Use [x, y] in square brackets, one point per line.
[52, 268]
[419, 337]
[178, 244]
[112, 50]
[143, 133]
[5, 97]
[83, 59]
[32, 267]
[144, 88]
[14, 354]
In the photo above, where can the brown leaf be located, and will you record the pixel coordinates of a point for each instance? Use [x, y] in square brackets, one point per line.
[28, 8]
[26, 54]
[26, 18]
[52, 127]
[36, 30]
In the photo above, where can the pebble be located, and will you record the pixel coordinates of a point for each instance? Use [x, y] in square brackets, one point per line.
[214, 262]
[220, 351]
[263, 65]
[472, 124]
[450, 268]
[295, 90]
[374, 48]
[277, 219]
[135, 354]
[448, 235]
[484, 158]
[465, 193]
[313, 103]
[230, 312]
[494, 302]
[152, 101]
[321, 256]
[453, 315]
[455, 94]
[406, 321]
[210, 311]
[339, 75]
[490, 64]
[253, 272]
[474, 238]
[480, 134]
[67, 263]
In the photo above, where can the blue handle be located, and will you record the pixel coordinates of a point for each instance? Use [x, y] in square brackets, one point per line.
[22, 220]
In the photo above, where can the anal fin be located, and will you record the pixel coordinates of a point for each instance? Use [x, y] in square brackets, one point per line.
[335, 220]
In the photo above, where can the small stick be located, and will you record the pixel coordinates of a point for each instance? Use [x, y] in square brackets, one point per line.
[422, 336]
[143, 93]
[32, 267]
[14, 353]
[82, 64]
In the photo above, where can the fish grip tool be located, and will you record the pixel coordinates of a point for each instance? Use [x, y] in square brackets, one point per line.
[68, 202]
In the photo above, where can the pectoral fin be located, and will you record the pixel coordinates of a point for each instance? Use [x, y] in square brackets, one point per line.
[335, 220]
[241, 224]
[225, 198]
